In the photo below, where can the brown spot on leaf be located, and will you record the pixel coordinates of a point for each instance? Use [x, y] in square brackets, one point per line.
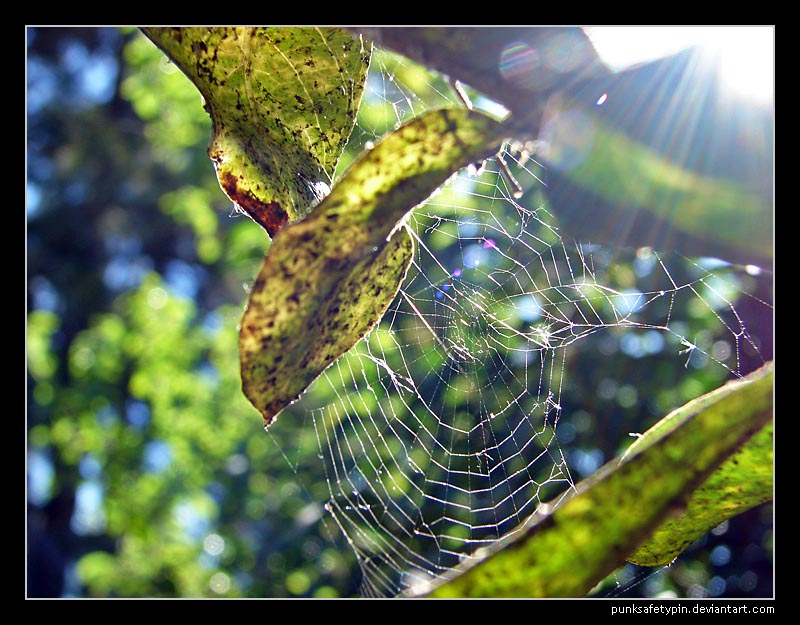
[269, 215]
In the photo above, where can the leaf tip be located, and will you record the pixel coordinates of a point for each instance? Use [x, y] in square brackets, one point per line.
[269, 419]
[270, 411]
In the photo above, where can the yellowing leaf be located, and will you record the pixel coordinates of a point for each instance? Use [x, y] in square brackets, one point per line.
[283, 102]
[745, 480]
[565, 550]
[326, 280]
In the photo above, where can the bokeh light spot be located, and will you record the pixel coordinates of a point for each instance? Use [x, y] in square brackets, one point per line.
[521, 64]
[213, 544]
[298, 582]
[219, 583]
[157, 298]
[721, 555]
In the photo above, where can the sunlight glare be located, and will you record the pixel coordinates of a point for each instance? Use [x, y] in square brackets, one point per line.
[744, 53]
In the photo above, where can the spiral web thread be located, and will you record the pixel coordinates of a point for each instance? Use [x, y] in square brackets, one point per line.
[439, 431]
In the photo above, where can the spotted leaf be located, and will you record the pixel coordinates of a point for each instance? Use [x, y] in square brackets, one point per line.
[326, 280]
[283, 102]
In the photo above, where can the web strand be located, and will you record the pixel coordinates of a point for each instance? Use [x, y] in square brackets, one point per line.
[439, 432]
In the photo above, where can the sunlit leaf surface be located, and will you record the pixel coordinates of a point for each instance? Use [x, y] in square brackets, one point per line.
[283, 102]
[566, 552]
[327, 280]
[745, 480]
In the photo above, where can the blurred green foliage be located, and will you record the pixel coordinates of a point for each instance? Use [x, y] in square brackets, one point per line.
[140, 400]
[161, 95]
[149, 474]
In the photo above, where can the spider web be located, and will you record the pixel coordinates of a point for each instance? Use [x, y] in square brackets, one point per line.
[439, 432]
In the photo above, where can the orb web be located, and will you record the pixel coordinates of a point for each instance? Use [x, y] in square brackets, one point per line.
[439, 432]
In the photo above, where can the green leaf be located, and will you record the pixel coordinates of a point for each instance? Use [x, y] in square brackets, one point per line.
[702, 214]
[283, 102]
[326, 280]
[743, 481]
[627, 192]
[566, 549]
